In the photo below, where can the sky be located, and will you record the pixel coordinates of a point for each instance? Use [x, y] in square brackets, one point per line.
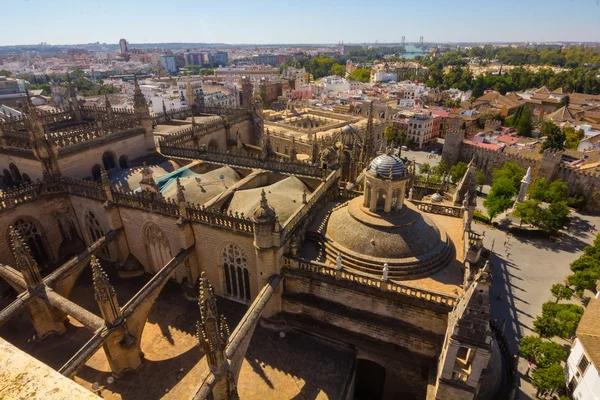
[289, 21]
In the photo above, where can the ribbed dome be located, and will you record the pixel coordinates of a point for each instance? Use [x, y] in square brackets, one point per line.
[381, 165]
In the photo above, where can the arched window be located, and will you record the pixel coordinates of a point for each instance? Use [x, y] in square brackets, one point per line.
[157, 246]
[395, 199]
[33, 237]
[380, 205]
[108, 159]
[237, 277]
[15, 172]
[26, 178]
[212, 145]
[95, 231]
[8, 179]
[96, 172]
[124, 162]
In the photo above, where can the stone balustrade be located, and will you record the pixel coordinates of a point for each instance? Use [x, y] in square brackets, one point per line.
[239, 158]
[315, 267]
[326, 192]
[441, 209]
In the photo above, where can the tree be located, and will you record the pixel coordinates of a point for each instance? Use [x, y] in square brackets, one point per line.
[424, 168]
[457, 171]
[361, 75]
[500, 197]
[441, 168]
[555, 138]
[549, 219]
[541, 352]
[561, 292]
[584, 280]
[390, 133]
[511, 171]
[558, 320]
[480, 178]
[523, 122]
[563, 102]
[339, 70]
[6, 73]
[548, 379]
[573, 137]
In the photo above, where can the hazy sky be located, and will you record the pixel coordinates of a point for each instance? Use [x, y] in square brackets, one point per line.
[290, 21]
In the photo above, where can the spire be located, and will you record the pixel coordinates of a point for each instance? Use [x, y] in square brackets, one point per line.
[181, 199]
[148, 184]
[73, 101]
[108, 107]
[36, 127]
[140, 105]
[105, 294]
[212, 331]
[293, 151]
[164, 108]
[25, 261]
[264, 213]
[527, 177]
[189, 93]
[106, 184]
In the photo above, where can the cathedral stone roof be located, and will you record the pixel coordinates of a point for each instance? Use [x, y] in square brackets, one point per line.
[200, 188]
[285, 197]
[383, 164]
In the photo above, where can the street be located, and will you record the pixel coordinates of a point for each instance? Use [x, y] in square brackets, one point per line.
[523, 272]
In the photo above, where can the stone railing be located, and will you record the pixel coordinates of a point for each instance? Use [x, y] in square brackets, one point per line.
[318, 268]
[239, 158]
[141, 200]
[475, 240]
[213, 217]
[54, 116]
[83, 133]
[17, 139]
[439, 209]
[326, 192]
[191, 132]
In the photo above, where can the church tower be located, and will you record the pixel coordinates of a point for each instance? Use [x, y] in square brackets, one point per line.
[44, 149]
[257, 113]
[141, 112]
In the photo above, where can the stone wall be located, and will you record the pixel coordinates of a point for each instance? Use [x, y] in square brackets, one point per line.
[433, 321]
[44, 213]
[24, 160]
[547, 165]
[79, 164]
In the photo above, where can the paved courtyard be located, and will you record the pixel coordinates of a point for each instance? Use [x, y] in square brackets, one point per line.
[524, 270]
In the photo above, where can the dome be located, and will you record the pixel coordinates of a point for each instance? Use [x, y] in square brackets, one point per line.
[436, 197]
[381, 166]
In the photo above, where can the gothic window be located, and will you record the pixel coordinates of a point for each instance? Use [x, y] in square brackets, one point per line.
[124, 161]
[157, 246]
[237, 277]
[108, 159]
[96, 171]
[95, 231]
[26, 178]
[212, 145]
[15, 172]
[8, 179]
[33, 237]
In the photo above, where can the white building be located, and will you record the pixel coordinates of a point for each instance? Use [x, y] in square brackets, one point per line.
[168, 63]
[583, 363]
[383, 74]
[334, 84]
[421, 128]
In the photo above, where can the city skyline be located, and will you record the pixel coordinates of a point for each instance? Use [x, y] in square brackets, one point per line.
[267, 22]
